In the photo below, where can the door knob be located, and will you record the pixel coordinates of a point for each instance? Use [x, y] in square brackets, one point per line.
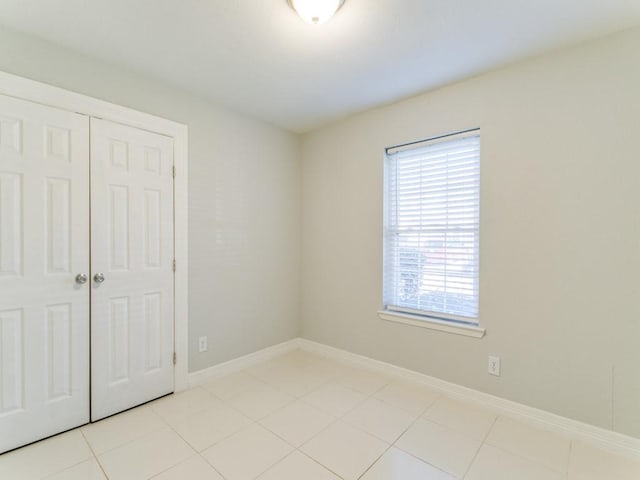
[81, 278]
[98, 277]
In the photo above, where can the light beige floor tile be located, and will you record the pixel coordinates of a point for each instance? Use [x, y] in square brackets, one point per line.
[275, 370]
[296, 376]
[195, 468]
[232, 385]
[299, 357]
[205, 428]
[145, 457]
[326, 368]
[278, 375]
[532, 443]
[380, 419]
[334, 399]
[259, 401]
[465, 418]
[247, 454]
[177, 406]
[291, 362]
[297, 422]
[440, 446]
[364, 381]
[46, 457]
[345, 450]
[413, 398]
[297, 467]
[115, 431]
[398, 465]
[589, 463]
[298, 382]
[139, 444]
[88, 470]
[267, 370]
[496, 464]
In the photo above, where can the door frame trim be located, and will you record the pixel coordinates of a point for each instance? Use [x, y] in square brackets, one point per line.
[38, 92]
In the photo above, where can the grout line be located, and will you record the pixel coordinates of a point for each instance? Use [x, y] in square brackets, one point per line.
[392, 444]
[172, 466]
[147, 434]
[454, 429]
[212, 466]
[529, 459]
[58, 472]
[359, 403]
[185, 440]
[419, 414]
[389, 447]
[315, 461]
[94, 454]
[482, 444]
[416, 420]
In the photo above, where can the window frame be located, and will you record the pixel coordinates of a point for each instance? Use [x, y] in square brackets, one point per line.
[439, 320]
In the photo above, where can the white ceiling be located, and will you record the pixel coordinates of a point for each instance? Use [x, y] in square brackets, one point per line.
[258, 57]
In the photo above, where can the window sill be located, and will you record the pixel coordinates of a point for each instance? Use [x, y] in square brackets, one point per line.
[432, 323]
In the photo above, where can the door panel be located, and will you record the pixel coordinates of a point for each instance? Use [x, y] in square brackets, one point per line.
[132, 246]
[44, 243]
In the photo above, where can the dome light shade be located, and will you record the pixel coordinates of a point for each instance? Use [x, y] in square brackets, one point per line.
[316, 11]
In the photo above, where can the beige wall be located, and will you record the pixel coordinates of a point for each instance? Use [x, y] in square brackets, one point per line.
[560, 232]
[243, 201]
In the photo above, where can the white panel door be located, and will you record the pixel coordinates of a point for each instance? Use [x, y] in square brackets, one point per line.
[44, 244]
[132, 267]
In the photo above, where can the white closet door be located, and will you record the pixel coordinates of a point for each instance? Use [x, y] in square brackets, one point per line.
[44, 244]
[132, 267]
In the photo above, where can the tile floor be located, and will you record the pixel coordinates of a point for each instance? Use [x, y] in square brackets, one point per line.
[303, 417]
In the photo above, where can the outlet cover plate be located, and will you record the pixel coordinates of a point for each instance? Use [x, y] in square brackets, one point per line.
[494, 365]
[202, 344]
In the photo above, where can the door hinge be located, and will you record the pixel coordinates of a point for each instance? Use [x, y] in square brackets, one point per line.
[175, 358]
[174, 265]
[173, 171]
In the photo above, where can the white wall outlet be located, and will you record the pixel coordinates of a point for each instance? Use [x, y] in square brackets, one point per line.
[494, 366]
[202, 344]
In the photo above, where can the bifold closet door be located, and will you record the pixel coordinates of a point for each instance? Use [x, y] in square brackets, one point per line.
[132, 267]
[44, 251]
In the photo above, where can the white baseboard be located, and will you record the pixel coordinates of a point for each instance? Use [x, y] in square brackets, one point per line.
[596, 436]
[208, 374]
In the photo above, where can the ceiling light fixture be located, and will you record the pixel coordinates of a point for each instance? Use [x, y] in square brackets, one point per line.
[316, 11]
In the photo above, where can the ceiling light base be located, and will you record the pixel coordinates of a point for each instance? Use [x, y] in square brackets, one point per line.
[316, 11]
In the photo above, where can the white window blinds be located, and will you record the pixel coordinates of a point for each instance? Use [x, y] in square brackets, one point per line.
[431, 231]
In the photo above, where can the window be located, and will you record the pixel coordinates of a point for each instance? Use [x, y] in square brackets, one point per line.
[431, 228]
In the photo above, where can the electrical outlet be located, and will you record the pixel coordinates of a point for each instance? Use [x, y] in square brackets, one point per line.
[494, 366]
[202, 344]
